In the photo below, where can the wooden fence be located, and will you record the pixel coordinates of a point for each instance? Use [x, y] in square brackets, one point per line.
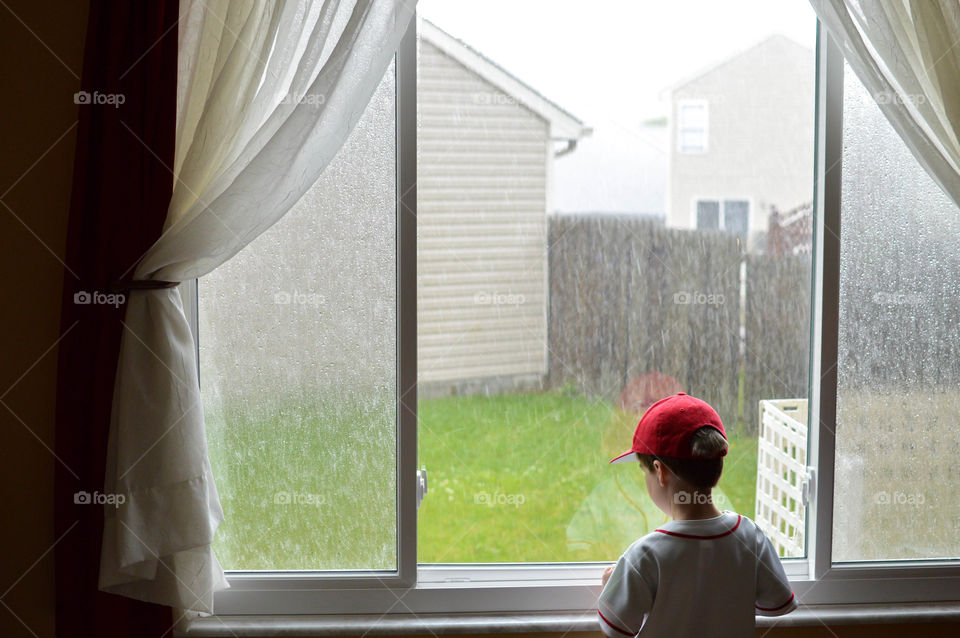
[628, 296]
[777, 331]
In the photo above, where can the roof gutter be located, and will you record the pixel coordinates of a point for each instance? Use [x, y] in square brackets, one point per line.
[572, 143]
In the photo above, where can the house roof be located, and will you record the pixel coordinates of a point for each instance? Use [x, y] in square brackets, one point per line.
[715, 66]
[563, 124]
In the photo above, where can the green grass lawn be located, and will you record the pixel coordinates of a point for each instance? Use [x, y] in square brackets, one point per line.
[513, 478]
[522, 477]
[303, 487]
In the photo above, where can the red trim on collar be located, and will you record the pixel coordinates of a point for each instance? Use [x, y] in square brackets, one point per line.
[612, 626]
[789, 600]
[704, 538]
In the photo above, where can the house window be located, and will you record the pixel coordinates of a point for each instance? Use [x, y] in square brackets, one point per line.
[692, 120]
[736, 216]
[318, 416]
[730, 215]
[708, 214]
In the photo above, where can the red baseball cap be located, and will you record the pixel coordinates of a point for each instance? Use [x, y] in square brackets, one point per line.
[666, 427]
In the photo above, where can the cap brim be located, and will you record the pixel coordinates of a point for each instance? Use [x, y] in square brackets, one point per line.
[627, 457]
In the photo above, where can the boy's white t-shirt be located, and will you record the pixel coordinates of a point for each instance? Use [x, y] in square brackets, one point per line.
[706, 577]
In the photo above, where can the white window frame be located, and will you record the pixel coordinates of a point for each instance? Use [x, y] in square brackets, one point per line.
[529, 587]
[683, 127]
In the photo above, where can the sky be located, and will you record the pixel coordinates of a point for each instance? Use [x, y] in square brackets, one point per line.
[611, 63]
[582, 54]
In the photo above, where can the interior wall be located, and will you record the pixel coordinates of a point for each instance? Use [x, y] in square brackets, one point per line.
[41, 52]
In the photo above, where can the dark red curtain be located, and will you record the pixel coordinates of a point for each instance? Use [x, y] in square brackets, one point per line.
[121, 188]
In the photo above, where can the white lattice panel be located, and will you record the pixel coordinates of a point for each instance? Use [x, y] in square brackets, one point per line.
[781, 471]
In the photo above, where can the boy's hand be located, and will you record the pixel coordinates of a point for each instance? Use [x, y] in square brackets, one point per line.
[606, 574]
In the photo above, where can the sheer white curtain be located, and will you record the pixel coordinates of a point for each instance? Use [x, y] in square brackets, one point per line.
[268, 92]
[907, 54]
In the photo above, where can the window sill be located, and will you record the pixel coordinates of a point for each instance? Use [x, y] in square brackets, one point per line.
[390, 624]
[586, 621]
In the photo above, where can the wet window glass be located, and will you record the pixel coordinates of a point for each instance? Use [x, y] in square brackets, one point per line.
[898, 365]
[298, 370]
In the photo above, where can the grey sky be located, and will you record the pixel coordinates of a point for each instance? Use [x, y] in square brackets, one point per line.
[614, 58]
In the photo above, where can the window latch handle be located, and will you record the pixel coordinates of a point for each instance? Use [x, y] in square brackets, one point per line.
[809, 485]
[421, 485]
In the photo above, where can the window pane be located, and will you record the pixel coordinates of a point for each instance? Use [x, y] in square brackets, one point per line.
[693, 116]
[297, 358]
[693, 140]
[692, 126]
[736, 216]
[897, 436]
[564, 284]
[708, 215]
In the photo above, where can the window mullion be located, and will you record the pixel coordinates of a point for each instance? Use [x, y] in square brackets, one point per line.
[407, 306]
[825, 299]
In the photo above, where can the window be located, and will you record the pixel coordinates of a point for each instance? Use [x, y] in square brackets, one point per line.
[282, 398]
[898, 391]
[301, 364]
[708, 214]
[736, 216]
[731, 215]
[875, 279]
[692, 119]
[538, 338]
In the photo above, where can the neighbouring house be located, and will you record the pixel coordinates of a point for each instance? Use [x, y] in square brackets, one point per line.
[741, 141]
[487, 143]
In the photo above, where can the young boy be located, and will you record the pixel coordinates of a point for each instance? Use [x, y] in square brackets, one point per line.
[705, 572]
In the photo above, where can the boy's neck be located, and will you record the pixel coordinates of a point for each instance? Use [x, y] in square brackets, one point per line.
[697, 510]
[694, 512]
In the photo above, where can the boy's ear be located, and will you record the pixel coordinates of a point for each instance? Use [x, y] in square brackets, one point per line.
[661, 471]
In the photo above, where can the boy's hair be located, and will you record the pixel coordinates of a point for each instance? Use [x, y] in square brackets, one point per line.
[702, 473]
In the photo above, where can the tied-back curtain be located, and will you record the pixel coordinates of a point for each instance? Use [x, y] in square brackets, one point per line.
[907, 54]
[268, 91]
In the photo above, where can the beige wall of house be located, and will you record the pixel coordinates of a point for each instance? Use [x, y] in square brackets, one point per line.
[760, 119]
[482, 190]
